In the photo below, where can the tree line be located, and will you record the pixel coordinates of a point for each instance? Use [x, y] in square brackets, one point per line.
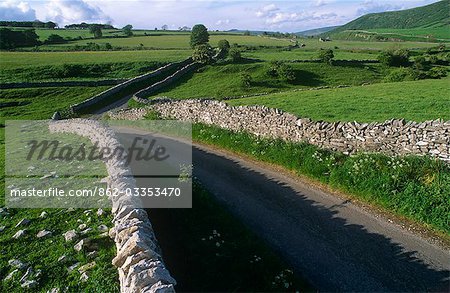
[85, 25]
[35, 24]
[10, 39]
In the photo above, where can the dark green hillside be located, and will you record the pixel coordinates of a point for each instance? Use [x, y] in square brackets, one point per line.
[429, 23]
[433, 15]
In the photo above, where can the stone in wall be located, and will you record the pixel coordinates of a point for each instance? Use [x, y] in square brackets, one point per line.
[138, 259]
[391, 137]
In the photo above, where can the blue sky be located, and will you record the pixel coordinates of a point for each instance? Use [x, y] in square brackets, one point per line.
[286, 16]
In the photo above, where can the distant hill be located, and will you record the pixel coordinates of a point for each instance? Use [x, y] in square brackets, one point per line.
[425, 22]
[316, 31]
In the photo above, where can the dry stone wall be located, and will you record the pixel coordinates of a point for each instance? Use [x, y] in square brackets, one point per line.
[392, 137]
[141, 95]
[105, 95]
[139, 261]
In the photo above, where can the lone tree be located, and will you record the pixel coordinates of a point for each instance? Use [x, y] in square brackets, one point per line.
[127, 30]
[199, 35]
[96, 29]
[326, 56]
[203, 54]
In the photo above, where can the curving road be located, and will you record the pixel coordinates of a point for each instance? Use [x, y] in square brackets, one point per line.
[334, 243]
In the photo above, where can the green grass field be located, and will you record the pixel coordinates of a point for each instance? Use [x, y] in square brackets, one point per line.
[413, 100]
[41, 103]
[305, 54]
[52, 66]
[9, 60]
[442, 32]
[74, 33]
[43, 254]
[223, 80]
[358, 45]
[173, 41]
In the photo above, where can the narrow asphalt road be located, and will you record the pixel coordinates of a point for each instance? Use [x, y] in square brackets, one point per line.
[335, 244]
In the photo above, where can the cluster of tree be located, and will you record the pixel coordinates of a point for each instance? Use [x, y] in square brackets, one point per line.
[279, 35]
[423, 66]
[55, 39]
[184, 28]
[281, 70]
[84, 25]
[203, 51]
[127, 30]
[96, 30]
[11, 39]
[326, 56]
[35, 24]
[395, 58]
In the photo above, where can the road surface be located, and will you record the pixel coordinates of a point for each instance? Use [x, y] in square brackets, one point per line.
[335, 244]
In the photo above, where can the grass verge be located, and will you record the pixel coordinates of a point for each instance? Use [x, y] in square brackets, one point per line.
[43, 253]
[414, 187]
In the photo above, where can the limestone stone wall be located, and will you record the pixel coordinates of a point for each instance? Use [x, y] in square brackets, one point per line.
[392, 137]
[141, 95]
[139, 261]
[105, 95]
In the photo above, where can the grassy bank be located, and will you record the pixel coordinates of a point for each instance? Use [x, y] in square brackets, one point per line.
[224, 80]
[412, 100]
[12, 60]
[414, 187]
[200, 243]
[41, 103]
[43, 253]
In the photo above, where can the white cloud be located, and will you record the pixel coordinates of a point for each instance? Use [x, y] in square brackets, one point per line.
[15, 10]
[370, 6]
[223, 22]
[280, 15]
[267, 10]
[74, 11]
[295, 16]
[319, 3]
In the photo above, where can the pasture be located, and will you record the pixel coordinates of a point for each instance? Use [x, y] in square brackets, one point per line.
[412, 100]
[10, 60]
[224, 80]
[176, 41]
[442, 32]
[41, 103]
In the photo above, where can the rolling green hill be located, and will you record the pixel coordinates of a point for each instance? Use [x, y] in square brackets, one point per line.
[426, 23]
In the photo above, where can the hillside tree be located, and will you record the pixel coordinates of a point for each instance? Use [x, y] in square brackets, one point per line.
[199, 35]
[96, 30]
[326, 56]
[127, 30]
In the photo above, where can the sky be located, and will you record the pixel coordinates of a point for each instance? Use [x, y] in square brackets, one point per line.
[275, 15]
